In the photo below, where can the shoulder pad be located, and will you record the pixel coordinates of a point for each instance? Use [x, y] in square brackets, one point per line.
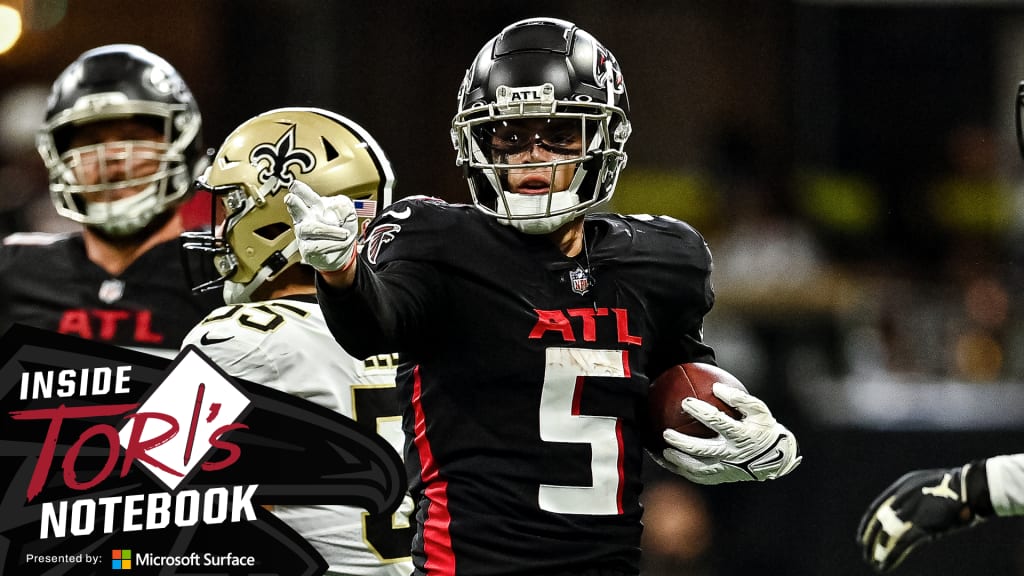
[423, 223]
[657, 236]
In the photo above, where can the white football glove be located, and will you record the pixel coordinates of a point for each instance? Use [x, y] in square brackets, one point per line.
[754, 448]
[326, 228]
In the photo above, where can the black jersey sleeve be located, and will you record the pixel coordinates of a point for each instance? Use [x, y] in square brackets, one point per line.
[396, 285]
[700, 292]
[680, 279]
[374, 315]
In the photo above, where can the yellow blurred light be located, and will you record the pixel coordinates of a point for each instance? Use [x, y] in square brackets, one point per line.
[10, 27]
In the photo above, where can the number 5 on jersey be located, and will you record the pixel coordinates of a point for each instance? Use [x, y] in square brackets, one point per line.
[560, 421]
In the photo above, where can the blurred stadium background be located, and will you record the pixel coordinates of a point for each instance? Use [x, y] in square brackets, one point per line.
[851, 163]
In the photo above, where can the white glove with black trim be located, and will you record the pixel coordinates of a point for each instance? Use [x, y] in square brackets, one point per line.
[918, 508]
[755, 447]
[326, 228]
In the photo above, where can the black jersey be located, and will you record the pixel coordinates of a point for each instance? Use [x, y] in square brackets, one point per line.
[528, 375]
[47, 281]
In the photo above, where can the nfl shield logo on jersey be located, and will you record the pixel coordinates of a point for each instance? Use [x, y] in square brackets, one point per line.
[111, 290]
[579, 280]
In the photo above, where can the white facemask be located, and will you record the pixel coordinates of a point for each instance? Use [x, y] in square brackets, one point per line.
[125, 216]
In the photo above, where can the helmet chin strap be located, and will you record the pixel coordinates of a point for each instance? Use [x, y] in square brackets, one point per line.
[238, 293]
[523, 204]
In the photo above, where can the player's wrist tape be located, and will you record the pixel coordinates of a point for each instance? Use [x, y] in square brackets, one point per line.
[351, 259]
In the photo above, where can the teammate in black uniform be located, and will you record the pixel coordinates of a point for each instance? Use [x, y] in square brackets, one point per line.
[533, 331]
[122, 143]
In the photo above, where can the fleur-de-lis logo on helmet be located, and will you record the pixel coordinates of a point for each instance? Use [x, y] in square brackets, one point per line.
[278, 158]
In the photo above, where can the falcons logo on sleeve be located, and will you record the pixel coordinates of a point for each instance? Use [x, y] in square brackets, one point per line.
[380, 236]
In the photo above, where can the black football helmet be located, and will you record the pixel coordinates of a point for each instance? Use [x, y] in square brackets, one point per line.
[121, 81]
[542, 68]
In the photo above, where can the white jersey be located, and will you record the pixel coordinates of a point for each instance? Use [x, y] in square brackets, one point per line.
[1006, 484]
[285, 344]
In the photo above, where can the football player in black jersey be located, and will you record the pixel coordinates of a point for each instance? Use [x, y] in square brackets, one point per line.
[532, 329]
[122, 144]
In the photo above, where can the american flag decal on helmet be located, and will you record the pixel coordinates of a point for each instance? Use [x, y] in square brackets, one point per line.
[365, 208]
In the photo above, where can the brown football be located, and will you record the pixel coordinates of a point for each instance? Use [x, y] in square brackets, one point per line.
[683, 381]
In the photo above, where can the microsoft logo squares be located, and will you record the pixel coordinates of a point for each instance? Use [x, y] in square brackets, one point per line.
[122, 560]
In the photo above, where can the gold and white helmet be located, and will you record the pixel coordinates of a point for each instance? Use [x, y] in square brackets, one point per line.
[249, 178]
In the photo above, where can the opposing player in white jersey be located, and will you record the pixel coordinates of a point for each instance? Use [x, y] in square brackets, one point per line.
[272, 331]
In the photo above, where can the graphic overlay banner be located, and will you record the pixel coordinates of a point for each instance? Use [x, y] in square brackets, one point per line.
[114, 460]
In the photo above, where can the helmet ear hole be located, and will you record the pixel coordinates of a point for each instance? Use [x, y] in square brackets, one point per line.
[272, 231]
[330, 152]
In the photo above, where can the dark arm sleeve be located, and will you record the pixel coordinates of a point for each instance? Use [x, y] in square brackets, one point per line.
[690, 296]
[384, 310]
[686, 338]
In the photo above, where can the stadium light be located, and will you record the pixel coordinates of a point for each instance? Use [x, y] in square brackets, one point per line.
[10, 26]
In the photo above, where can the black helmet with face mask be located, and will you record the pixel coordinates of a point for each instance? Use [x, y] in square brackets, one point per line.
[549, 69]
[111, 83]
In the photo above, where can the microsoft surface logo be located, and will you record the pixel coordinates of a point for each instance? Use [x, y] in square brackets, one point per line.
[122, 560]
